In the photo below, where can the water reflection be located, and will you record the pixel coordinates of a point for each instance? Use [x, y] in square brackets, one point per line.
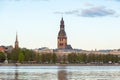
[59, 73]
[16, 73]
[62, 74]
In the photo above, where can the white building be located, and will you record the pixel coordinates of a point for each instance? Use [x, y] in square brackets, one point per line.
[44, 50]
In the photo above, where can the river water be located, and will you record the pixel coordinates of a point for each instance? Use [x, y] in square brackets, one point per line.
[60, 73]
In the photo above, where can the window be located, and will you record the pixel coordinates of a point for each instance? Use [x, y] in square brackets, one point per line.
[61, 44]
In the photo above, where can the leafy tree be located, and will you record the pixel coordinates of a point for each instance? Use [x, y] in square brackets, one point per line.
[72, 58]
[64, 59]
[29, 55]
[2, 57]
[15, 54]
[43, 60]
[38, 58]
[80, 58]
[84, 57]
[54, 58]
[21, 57]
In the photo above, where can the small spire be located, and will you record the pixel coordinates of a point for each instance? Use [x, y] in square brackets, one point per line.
[16, 37]
[62, 24]
[62, 19]
[16, 42]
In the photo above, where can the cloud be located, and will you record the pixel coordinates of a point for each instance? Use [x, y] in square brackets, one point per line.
[68, 12]
[88, 4]
[97, 12]
[58, 12]
[72, 12]
[90, 12]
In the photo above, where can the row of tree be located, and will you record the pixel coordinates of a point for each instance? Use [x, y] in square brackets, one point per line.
[93, 58]
[29, 56]
[21, 55]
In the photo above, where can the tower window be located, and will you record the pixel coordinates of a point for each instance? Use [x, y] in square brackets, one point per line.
[61, 44]
[61, 39]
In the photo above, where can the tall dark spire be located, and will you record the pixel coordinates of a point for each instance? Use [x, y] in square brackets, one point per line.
[62, 24]
[16, 42]
[16, 37]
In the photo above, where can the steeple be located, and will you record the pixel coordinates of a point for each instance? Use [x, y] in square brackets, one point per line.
[16, 42]
[62, 38]
[62, 24]
[16, 37]
[62, 28]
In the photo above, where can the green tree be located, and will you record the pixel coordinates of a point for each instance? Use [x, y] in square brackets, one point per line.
[2, 57]
[48, 57]
[29, 55]
[72, 58]
[15, 54]
[84, 57]
[21, 57]
[43, 60]
[64, 59]
[54, 58]
[38, 58]
[80, 58]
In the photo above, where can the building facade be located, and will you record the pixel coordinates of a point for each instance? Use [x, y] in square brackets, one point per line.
[43, 50]
[62, 38]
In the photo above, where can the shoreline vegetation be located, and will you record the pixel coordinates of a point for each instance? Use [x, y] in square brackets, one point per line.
[19, 64]
[25, 57]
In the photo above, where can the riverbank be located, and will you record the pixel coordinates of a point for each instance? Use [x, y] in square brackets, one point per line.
[18, 64]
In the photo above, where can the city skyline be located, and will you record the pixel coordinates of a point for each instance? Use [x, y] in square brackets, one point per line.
[89, 24]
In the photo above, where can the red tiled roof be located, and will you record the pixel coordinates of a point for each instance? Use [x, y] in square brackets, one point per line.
[2, 49]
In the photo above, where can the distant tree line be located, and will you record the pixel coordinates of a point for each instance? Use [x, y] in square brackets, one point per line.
[29, 56]
[93, 58]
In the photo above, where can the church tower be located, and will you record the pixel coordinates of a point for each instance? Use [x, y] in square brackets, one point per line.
[16, 42]
[62, 38]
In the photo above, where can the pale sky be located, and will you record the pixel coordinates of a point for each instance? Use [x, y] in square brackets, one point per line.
[89, 24]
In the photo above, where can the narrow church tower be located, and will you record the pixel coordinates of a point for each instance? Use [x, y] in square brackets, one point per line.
[16, 42]
[62, 38]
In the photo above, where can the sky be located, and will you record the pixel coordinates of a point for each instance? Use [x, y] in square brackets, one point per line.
[89, 24]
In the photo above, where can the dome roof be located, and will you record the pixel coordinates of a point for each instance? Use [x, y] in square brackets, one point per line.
[61, 33]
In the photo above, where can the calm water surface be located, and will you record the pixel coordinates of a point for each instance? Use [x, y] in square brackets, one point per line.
[60, 73]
